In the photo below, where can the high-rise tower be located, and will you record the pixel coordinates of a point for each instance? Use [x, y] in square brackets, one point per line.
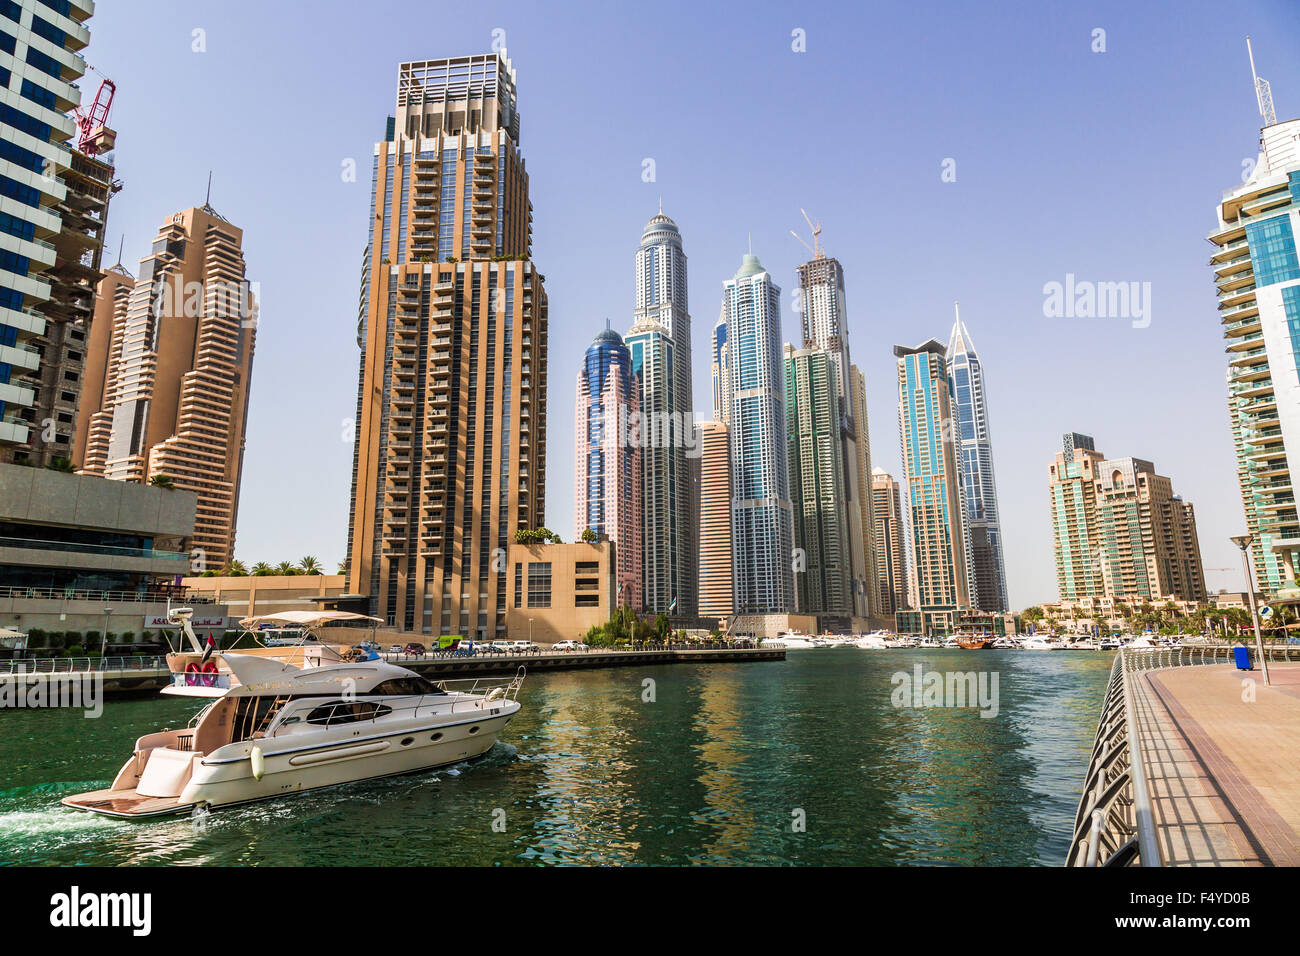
[451, 425]
[823, 315]
[979, 490]
[716, 597]
[55, 198]
[660, 343]
[891, 547]
[927, 429]
[761, 520]
[177, 372]
[607, 466]
[817, 485]
[1257, 273]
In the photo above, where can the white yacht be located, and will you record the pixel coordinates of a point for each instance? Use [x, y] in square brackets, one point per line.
[1036, 644]
[874, 641]
[281, 729]
[792, 641]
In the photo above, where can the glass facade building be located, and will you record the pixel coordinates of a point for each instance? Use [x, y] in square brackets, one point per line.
[975, 462]
[761, 520]
[607, 467]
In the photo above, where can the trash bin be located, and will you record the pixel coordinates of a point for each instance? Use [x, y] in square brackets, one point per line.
[1242, 656]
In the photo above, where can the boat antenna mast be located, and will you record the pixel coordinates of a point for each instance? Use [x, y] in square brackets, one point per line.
[1263, 92]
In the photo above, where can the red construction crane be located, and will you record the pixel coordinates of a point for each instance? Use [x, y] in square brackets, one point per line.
[96, 137]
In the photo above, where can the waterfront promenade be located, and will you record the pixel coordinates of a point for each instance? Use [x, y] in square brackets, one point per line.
[1196, 763]
[1223, 771]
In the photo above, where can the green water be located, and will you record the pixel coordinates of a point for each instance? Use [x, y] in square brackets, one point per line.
[718, 769]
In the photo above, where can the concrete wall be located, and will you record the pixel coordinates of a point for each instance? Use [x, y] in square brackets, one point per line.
[563, 620]
[41, 496]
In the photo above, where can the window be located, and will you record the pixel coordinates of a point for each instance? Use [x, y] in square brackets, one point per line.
[539, 584]
[406, 687]
[587, 567]
[347, 712]
[519, 584]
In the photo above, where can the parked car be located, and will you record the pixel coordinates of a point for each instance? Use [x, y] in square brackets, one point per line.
[395, 649]
[570, 646]
[414, 647]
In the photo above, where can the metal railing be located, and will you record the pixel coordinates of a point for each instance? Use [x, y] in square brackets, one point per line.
[102, 597]
[1114, 824]
[81, 665]
[446, 655]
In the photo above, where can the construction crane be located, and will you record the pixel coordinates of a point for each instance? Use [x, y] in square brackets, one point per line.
[816, 247]
[96, 137]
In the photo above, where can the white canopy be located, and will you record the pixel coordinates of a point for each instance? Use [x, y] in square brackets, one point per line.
[10, 632]
[307, 619]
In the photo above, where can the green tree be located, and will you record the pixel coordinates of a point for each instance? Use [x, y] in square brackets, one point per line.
[310, 565]
[262, 570]
[61, 464]
[162, 481]
[235, 568]
[588, 536]
[286, 569]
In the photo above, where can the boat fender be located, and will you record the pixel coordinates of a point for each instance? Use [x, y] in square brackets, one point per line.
[495, 693]
[258, 762]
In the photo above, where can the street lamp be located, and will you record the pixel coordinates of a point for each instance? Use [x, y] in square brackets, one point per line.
[530, 630]
[1243, 541]
[103, 647]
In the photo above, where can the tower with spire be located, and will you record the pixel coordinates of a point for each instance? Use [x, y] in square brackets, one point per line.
[985, 561]
[1257, 276]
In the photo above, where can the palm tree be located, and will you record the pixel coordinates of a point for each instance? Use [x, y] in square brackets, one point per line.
[286, 568]
[235, 568]
[262, 570]
[162, 481]
[310, 565]
[61, 464]
[343, 566]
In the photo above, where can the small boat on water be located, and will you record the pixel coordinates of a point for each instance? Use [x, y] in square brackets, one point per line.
[793, 641]
[974, 643]
[276, 729]
[1037, 644]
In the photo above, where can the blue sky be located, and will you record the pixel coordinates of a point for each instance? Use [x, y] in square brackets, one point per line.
[1104, 165]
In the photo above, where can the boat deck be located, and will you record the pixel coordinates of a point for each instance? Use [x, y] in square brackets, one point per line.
[1223, 771]
[124, 803]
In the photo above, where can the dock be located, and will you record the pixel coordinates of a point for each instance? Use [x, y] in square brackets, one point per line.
[142, 676]
[1196, 763]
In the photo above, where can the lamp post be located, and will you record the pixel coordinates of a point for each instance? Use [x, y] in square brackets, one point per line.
[103, 647]
[1243, 541]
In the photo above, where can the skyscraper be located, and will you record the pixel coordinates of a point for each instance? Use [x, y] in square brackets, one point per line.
[660, 343]
[761, 521]
[607, 468]
[55, 198]
[720, 368]
[1257, 273]
[1119, 531]
[177, 372]
[1072, 441]
[823, 315]
[1075, 536]
[891, 548]
[817, 484]
[716, 599]
[979, 490]
[927, 426]
[451, 430]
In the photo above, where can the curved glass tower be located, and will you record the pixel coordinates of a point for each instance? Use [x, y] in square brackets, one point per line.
[660, 346]
[607, 473]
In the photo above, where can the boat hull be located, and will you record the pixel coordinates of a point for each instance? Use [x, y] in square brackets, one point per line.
[290, 766]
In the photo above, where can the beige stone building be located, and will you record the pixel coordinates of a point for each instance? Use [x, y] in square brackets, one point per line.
[451, 418]
[557, 592]
[252, 594]
[177, 373]
[891, 550]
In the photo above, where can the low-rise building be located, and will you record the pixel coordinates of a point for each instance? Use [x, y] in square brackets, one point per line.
[80, 553]
[556, 592]
[253, 594]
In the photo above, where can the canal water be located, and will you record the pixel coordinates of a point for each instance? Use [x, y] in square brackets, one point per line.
[801, 762]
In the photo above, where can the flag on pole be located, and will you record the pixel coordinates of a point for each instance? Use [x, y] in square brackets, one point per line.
[672, 608]
[212, 644]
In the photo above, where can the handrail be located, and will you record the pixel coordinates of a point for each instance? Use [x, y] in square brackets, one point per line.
[80, 665]
[90, 594]
[1115, 816]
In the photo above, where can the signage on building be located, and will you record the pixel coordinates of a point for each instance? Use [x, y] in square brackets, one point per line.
[195, 622]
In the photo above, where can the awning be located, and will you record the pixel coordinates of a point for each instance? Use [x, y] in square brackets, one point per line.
[305, 619]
